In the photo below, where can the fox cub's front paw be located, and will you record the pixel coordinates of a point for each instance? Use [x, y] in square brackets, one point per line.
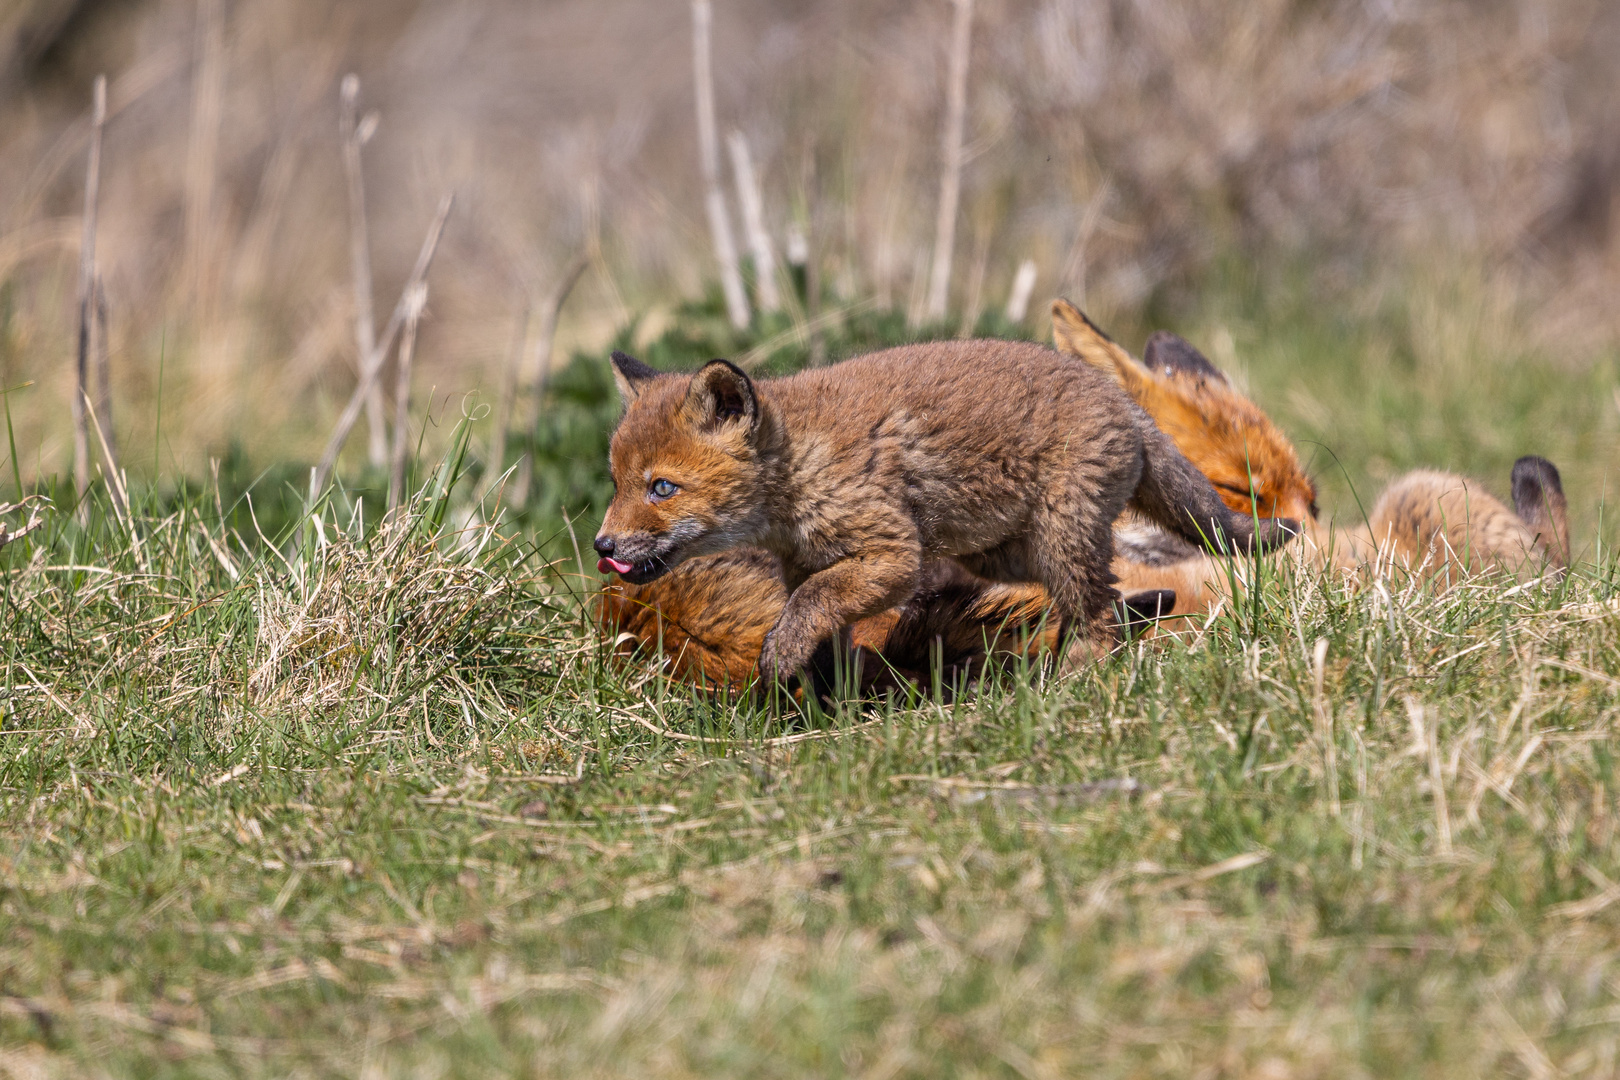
[781, 659]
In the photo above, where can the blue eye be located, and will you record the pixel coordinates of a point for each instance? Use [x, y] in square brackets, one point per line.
[663, 489]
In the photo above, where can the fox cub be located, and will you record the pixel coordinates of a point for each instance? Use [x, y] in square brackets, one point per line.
[1434, 524]
[1004, 456]
[709, 617]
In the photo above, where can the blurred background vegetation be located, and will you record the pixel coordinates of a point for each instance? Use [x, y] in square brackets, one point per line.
[1394, 222]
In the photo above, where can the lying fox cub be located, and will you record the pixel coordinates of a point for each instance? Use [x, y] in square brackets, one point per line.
[1005, 456]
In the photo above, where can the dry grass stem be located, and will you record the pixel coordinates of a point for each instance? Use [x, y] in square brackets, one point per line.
[538, 372]
[950, 168]
[753, 213]
[1323, 713]
[415, 301]
[973, 306]
[87, 288]
[505, 394]
[725, 248]
[35, 505]
[202, 157]
[355, 133]
[1426, 742]
[1023, 287]
[101, 361]
[371, 371]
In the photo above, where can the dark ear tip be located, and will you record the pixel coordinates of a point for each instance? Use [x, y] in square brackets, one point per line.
[1170, 354]
[1531, 469]
[1138, 610]
[631, 368]
[728, 365]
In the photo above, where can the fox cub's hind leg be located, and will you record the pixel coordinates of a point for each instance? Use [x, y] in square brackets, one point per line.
[1073, 556]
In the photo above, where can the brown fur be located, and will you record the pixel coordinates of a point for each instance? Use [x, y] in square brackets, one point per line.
[728, 602]
[1004, 456]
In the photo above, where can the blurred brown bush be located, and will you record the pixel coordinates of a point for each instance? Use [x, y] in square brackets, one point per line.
[1128, 146]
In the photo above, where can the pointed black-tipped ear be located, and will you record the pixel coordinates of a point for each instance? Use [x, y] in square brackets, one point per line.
[722, 393]
[631, 375]
[1168, 354]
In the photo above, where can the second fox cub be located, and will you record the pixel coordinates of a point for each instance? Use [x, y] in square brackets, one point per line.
[1005, 456]
[1431, 523]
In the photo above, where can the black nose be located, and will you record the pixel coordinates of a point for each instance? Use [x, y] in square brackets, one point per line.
[603, 545]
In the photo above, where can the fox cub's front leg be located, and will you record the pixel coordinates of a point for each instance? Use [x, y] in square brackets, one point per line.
[831, 599]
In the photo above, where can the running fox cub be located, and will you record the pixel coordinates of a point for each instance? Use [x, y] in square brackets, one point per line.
[1004, 456]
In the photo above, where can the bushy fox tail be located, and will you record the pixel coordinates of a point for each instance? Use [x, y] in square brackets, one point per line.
[1448, 528]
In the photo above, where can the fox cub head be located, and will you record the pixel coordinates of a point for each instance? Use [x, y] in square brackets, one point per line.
[684, 460]
[1252, 465]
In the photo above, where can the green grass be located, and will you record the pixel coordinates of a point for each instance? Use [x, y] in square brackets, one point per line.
[376, 800]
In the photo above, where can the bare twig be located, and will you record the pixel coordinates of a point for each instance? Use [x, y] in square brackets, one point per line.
[372, 367]
[725, 249]
[950, 177]
[87, 287]
[539, 367]
[415, 301]
[753, 211]
[356, 133]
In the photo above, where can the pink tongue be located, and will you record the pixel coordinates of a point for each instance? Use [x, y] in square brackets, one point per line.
[612, 566]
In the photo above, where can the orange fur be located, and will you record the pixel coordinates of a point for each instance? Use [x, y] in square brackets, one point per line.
[712, 613]
[1252, 464]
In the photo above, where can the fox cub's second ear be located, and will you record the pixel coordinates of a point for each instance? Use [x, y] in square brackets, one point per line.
[1169, 354]
[631, 375]
[722, 394]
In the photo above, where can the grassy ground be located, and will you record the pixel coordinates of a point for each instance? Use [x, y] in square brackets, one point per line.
[375, 801]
